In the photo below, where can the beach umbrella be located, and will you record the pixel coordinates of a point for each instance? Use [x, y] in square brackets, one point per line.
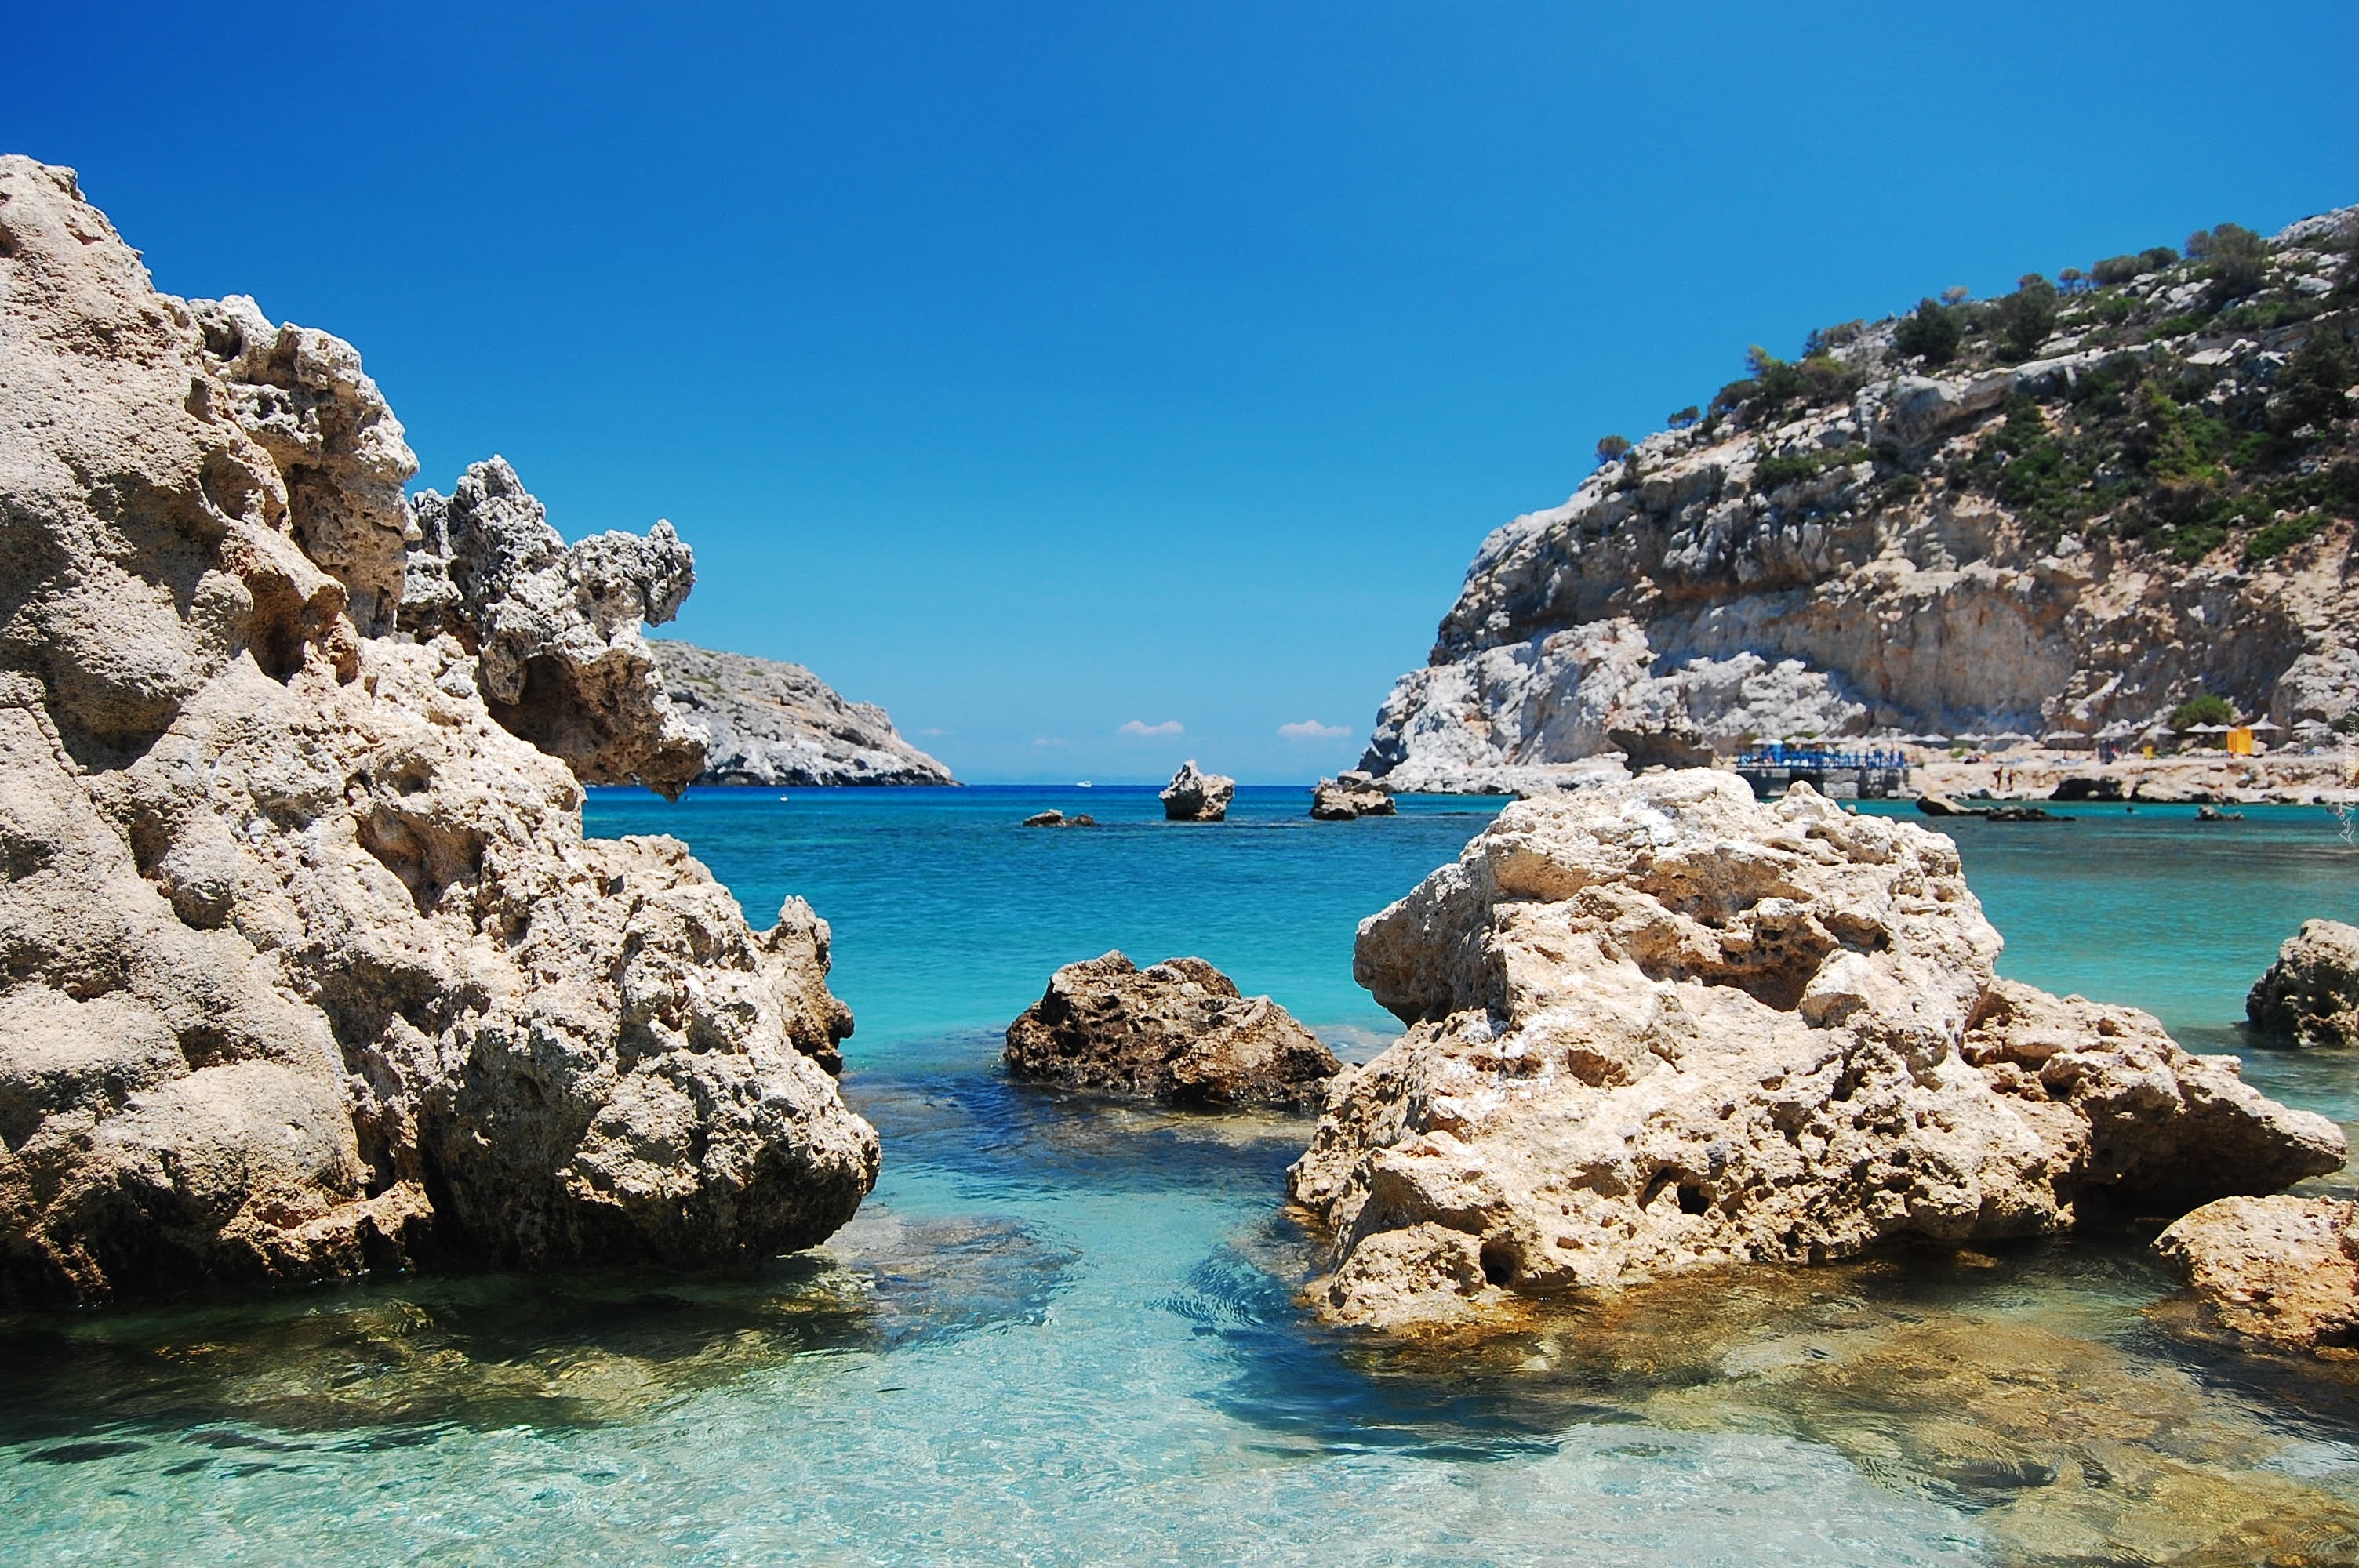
[2012, 737]
[2207, 729]
[2263, 727]
[2120, 730]
[2061, 738]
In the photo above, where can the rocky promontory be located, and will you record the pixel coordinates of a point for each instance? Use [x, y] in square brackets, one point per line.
[1178, 1030]
[310, 969]
[777, 724]
[2065, 511]
[1658, 1026]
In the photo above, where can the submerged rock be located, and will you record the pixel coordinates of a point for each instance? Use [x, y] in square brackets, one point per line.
[1054, 818]
[2284, 1271]
[1659, 1027]
[309, 970]
[1177, 1031]
[775, 724]
[1348, 795]
[1194, 796]
[2312, 992]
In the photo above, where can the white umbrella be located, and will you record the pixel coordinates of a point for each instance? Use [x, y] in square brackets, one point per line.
[2263, 727]
[2061, 738]
[2012, 737]
[2207, 729]
[2121, 730]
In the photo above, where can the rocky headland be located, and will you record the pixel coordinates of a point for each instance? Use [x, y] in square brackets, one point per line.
[309, 971]
[1179, 1031]
[2065, 511]
[1658, 1026]
[766, 722]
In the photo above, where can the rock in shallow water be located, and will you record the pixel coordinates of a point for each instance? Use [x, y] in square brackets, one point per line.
[1196, 797]
[308, 969]
[1178, 1030]
[1660, 1026]
[2284, 1271]
[1348, 795]
[2312, 992]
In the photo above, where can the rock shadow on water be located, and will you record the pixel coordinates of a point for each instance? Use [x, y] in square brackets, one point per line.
[1025, 1137]
[371, 1367]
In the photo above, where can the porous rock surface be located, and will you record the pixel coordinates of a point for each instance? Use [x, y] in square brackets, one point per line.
[1196, 797]
[2312, 992]
[775, 724]
[1178, 1030]
[306, 969]
[2281, 1270]
[556, 628]
[1659, 1026]
[1348, 795]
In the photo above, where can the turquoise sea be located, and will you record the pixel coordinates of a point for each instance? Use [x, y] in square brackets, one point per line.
[1063, 1331]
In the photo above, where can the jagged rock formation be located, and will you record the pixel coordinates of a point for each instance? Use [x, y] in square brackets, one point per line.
[555, 627]
[308, 967]
[779, 725]
[2070, 535]
[2312, 992]
[2282, 1270]
[1349, 796]
[1194, 797]
[1178, 1030]
[1658, 1026]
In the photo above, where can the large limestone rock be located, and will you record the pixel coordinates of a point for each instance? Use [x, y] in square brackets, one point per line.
[2312, 992]
[1658, 1026]
[1178, 1030]
[778, 724]
[308, 969]
[2282, 1270]
[1348, 795]
[556, 628]
[1195, 796]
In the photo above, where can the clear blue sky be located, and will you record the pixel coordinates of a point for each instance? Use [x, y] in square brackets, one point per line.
[1037, 369]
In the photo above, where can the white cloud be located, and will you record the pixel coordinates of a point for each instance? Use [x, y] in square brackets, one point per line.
[1047, 740]
[933, 730]
[1136, 726]
[1311, 730]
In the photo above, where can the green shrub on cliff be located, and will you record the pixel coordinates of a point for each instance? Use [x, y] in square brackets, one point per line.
[1930, 332]
[2024, 319]
[2208, 709]
[2282, 534]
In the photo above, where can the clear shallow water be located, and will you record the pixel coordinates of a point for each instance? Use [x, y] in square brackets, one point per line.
[1061, 1332]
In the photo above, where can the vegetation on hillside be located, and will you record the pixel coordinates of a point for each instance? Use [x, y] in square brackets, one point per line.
[2208, 410]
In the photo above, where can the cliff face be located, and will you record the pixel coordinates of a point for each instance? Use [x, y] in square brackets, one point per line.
[778, 724]
[2151, 501]
[306, 969]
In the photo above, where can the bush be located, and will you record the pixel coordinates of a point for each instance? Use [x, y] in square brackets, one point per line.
[1612, 449]
[1956, 294]
[2117, 269]
[2314, 389]
[2233, 257]
[2157, 258]
[2282, 535]
[2024, 319]
[1822, 338]
[1930, 332]
[1683, 417]
[2205, 710]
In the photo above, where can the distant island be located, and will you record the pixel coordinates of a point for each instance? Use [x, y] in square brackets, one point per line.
[2071, 510]
[778, 724]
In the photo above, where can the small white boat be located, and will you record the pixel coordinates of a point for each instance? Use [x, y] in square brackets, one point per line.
[1084, 783]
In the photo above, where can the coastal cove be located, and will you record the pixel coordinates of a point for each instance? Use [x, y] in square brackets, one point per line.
[1061, 1330]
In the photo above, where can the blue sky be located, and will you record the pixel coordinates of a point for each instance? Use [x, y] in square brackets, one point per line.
[1040, 370]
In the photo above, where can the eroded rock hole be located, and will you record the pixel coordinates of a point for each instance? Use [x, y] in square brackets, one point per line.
[1693, 1199]
[1502, 1260]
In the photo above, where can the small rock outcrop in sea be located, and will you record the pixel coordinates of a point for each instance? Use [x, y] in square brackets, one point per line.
[777, 724]
[311, 971]
[2312, 992]
[1348, 795]
[1054, 818]
[555, 628]
[2283, 1270]
[1935, 804]
[1194, 797]
[1659, 1026]
[1177, 1031]
[1852, 542]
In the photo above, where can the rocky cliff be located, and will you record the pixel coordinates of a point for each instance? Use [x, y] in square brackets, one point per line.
[308, 969]
[2070, 509]
[770, 723]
